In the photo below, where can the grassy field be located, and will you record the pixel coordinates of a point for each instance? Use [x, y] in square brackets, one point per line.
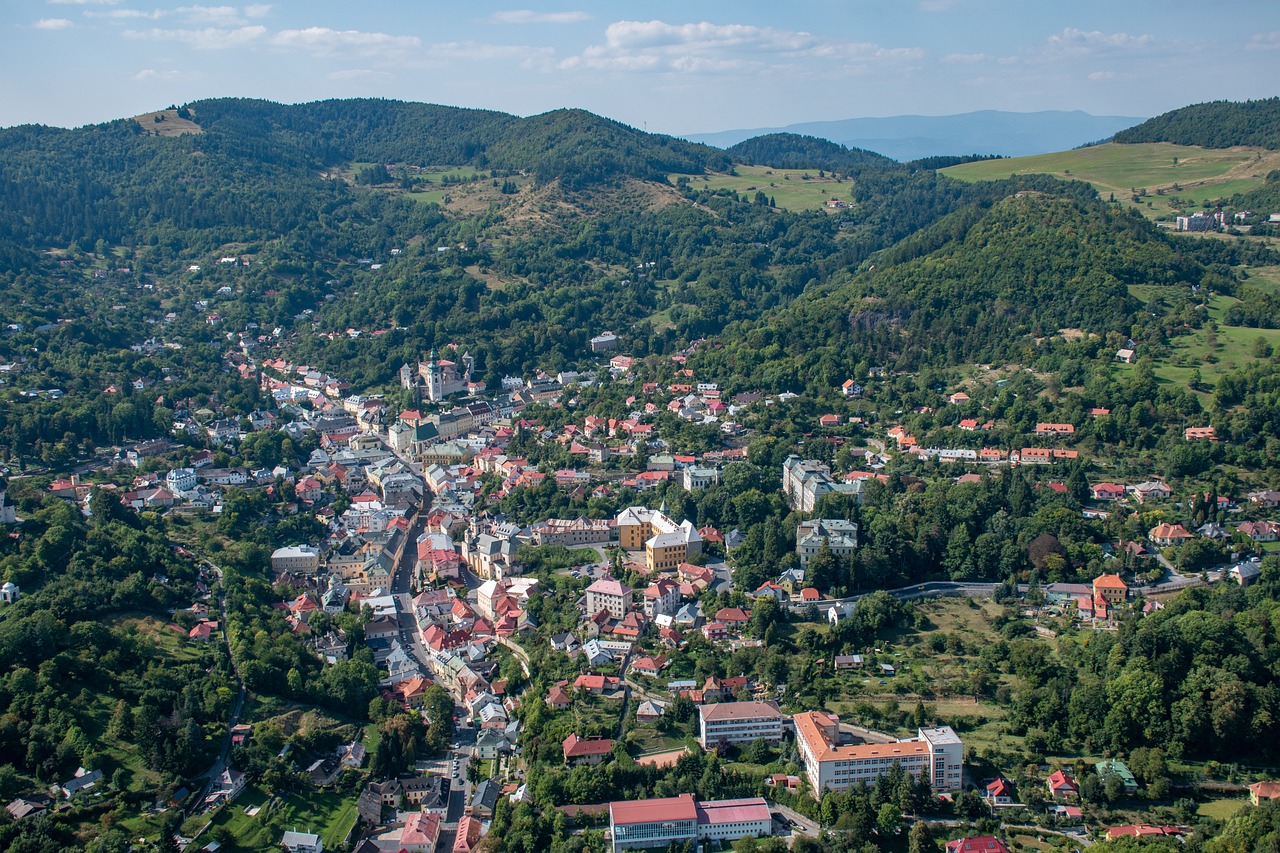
[324, 812]
[1221, 809]
[1167, 172]
[791, 189]
[1231, 348]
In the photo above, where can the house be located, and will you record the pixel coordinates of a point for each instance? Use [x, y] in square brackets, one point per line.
[27, 806]
[578, 751]
[1247, 572]
[1108, 491]
[1055, 429]
[738, 723]
[1152, 490]
[421, 833]
[1141, 830]
[1264, 791]
[1167, 535]
[1260, 531]
[733, 617]
[977, 844]
[82, 781]
[1115, 767]
[1200, 434]
[1267, 498]
[610, 596]
[1125, 356]
[485, 799]
[998, 792]
[1062, 787]
[302, 842]
[1110, 588]
[649, 666]
[845, 662]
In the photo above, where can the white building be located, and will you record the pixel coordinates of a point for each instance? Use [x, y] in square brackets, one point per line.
[180, 480]
[298, 559]
[658, 822]
[738, 722]
[839, 535]
[302, 842]
[695, 477]
[609, 595]
[935, 754]
[804, 481]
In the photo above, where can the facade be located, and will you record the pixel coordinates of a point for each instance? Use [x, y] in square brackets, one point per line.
[666, 544]
[738, 722]
[662, 598]
[935, 754]
[804, 481]
[1110, 589]
[659, 822]
[579, 531]
[839, 535]
[298, 559]
[609, 595]
[695, 477]
[443, 378]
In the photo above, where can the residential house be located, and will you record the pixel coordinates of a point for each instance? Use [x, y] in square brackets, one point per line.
[1260, 792]
[1115, 767]
[1111, 589]
[1062, 787]
[578, 751]
[1168, 535]
[998, 792]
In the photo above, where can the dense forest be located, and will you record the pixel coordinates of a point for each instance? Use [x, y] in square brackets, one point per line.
[1216, 124]
[793, 151]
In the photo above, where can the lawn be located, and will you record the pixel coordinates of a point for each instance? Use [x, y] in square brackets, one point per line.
[791, 189]
[324, 812]
[1234, 345]
[1221, 809]
[1198, 173]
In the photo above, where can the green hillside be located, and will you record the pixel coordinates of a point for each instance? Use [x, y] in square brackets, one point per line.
[979, 286]
[1158, 178]
[1216, 124]
[793, 151]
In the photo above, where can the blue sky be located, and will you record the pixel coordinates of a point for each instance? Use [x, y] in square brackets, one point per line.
[666, 66]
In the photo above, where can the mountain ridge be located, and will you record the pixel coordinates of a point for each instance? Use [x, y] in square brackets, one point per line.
[911, 137]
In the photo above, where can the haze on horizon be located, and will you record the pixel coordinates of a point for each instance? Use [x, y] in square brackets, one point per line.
[655, 65]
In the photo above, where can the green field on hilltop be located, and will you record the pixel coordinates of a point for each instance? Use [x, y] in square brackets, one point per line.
[790, 189]
[1168, 173]
[1231, 348]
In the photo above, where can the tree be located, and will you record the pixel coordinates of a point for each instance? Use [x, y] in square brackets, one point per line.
[920, 840]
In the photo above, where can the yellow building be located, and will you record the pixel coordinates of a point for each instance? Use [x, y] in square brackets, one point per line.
[1110, 589]
[666, 544]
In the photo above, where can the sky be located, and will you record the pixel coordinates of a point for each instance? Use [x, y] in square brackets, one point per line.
[670, 67]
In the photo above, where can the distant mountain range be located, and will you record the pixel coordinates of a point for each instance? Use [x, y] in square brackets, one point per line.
[983, 132]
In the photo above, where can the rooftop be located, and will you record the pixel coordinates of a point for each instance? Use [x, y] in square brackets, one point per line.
[662, 809]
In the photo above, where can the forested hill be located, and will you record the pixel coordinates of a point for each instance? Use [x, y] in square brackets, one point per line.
[575, 146]
[254, 171]
[793, 151]
[980, 285]
[1216, 124]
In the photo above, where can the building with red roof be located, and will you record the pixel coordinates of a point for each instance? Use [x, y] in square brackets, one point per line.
[1062, 787]
[660, 821]
[578, 751]
[977, 844]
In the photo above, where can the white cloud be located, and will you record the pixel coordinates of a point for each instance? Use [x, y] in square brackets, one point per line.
[214, 16]
[965, 57]
[326, 42]
[527, 56]
[84, 2]
[127, 14]
[257, 10]
[1102, 76]
[359, 74]
[208, 38]
[148, 74]
[1073, 40]
[1264, 41]
[51, 24]
[528, 16]
[704, 46]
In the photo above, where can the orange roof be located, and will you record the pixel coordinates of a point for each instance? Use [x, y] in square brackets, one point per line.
[1109, 582]
[662, 809]
[809, 728]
